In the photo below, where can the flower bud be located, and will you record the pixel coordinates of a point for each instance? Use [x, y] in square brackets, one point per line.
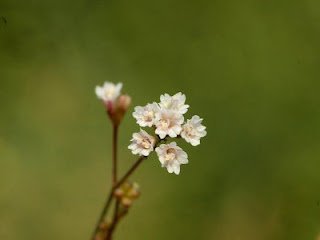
[134, 191]
[115, 104]
[124, 102]
[127, 193]
[126, 202]
[118, 192]
[117, 109]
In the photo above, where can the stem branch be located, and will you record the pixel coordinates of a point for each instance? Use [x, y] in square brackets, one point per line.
[114, 221]
[114, 187]
[110, 195]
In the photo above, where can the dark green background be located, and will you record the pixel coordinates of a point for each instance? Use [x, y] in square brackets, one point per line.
[249, 68]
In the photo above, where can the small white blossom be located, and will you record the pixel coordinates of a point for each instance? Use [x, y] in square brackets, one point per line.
[146, 115]
[142, 143]
[171, 156]
[175, 102]
[109, 91]
[193, 130]
[168, 122]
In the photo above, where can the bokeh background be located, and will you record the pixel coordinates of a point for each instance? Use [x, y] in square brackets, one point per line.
[249, 68]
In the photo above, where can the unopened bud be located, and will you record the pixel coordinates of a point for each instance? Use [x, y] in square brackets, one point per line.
[124, 102]
[126, 202]
[134, 191]
[127, 193]
[133, 194]
[118, 192]
[116, 109]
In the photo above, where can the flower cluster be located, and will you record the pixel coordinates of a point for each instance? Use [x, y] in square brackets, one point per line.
[166, 121]
[167, 118]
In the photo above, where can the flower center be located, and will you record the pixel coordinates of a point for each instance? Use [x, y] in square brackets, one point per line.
[189, 131]
[171, 154]
[148, 116]
[165, 123]
[146, 143]
[109, 92]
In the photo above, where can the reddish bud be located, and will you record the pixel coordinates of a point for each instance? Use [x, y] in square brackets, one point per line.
[117, 109]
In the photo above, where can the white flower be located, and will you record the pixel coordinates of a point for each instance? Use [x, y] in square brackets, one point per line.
[175, 102]
[193, 130]
[171, 156]
[109, 91]
[146, 115]
[169, 123]
[142, 143]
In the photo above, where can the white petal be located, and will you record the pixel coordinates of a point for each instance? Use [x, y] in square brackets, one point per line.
[183, 160]
[145, 152]
[194, 142]
[99, 92]
[118, 87]
[171, 133]
[176, 169]
[170, 169]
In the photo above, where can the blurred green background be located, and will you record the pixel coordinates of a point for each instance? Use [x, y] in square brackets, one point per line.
[249, 68]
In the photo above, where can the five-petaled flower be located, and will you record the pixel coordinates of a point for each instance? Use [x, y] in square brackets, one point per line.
[172, 156]
[146, 116]
[142, 143]
[193, 130]
[168, 122]
[175, 102]
[109, 92]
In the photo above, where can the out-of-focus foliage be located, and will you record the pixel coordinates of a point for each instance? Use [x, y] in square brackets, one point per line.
[249, 68]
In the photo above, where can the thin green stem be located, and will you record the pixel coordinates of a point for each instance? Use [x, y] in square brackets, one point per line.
[114, 154]
[114, 221]
[102, 214]
[114, 181]
[110, 195]
[115, 186]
